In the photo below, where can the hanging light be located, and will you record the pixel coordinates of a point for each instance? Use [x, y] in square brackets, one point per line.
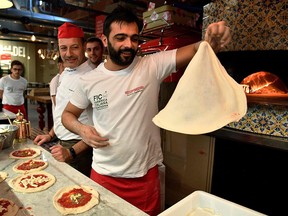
[33, 38]
[5, 4]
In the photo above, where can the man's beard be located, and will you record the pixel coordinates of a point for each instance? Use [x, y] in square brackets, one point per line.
[115, 56]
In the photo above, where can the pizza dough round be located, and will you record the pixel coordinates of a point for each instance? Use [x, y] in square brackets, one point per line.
[31, 165]
[26, 153]
[73, 197]
[3, 176]
[11, 210]
[206, 97]
[28, 183]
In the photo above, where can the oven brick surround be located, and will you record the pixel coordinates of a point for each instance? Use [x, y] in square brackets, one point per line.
[264, 119]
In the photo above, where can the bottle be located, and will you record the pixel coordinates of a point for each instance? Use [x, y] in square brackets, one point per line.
[24, 130]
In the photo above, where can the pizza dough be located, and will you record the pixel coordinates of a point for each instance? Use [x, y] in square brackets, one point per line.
[31, 165]
[32, 182]
[25, 153]
[3, 176]
[77, 199]
[8, 207]
[206, 97]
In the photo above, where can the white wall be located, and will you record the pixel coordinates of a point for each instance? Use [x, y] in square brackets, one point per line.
[36, 69]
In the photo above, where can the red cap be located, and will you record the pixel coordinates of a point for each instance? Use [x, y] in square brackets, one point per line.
[68, 30]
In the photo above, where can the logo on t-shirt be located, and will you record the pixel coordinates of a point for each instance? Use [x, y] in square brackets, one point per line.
[100, 101]
[134, 91]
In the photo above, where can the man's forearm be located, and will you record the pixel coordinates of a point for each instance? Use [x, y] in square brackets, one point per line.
[80, 147]
[71, 122]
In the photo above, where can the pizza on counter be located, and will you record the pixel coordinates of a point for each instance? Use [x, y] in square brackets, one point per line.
[3, 176]
[32, 182]
[31, 165]
[75, 199]
[7, 207]
[25, 153]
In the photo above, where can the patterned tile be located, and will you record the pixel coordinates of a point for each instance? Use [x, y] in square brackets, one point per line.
[264, 119]
[255, 25]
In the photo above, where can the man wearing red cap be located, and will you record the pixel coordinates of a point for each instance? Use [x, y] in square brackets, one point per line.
[71, 148]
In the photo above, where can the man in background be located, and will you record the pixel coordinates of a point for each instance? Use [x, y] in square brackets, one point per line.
[94, 50]
[70, 148]
[12, 89]
[54, 83]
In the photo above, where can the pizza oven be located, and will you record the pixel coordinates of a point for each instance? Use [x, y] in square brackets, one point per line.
[263, 75]
[264, 83]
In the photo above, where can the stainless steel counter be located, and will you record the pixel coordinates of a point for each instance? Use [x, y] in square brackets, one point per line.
[40, 203]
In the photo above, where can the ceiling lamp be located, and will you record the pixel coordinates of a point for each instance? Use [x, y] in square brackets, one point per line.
[33, 38]
[5, 4]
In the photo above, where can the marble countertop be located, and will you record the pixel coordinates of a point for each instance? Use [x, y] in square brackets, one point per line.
[41, 204]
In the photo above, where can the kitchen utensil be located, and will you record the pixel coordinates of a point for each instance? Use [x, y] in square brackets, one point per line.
[24, 131]
[10, 132]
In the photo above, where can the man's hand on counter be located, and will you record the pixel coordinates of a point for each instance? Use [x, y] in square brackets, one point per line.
[42, 138]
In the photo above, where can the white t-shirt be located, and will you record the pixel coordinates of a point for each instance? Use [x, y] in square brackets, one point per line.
[53, 85]
[13, 90]
[124, 103]
[68, 78]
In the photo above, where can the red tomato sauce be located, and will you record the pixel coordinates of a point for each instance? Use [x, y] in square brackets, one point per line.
[23, 153]
[4, 204]
[38, 184]
[28, 165]
[66, 202]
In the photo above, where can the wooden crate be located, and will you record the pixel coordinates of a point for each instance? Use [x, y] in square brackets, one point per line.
[167, 15]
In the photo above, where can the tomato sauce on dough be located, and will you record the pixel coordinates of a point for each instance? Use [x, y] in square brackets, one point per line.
[36, 183]
[75, 198]
[30, 165]
[25, 153]
[4, 204]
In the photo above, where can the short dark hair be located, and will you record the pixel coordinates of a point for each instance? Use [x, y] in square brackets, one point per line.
[16, 62]
[121, 15]
[95, 39]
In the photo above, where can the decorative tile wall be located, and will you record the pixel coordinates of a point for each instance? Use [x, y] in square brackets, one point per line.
[264, 119]
[255, 25]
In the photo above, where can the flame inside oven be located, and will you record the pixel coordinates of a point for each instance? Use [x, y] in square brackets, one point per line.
[265, 83]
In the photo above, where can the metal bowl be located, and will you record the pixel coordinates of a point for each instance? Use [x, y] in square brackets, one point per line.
[2, 139]
[10, 132]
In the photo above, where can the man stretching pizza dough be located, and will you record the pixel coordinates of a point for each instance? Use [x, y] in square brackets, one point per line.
[124, 94]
